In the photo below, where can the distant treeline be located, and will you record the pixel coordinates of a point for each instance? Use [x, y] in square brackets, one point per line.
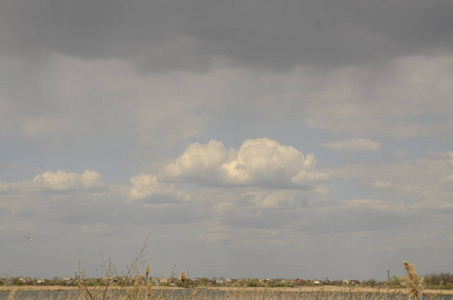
[441, 280]
[430, 281]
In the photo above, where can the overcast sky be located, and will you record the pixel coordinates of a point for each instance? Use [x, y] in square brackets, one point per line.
[247, 138]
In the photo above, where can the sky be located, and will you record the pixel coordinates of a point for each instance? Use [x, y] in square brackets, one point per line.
[244, 138]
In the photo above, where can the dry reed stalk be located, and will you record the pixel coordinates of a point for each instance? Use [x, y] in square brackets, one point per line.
[11, 295]
[137, 280]
[412, 281]
[147, 283]
[148, 269]
[136, 287]
[182, 278]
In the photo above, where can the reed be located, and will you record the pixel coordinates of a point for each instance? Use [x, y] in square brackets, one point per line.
[244, 294]
[412, 281]
[11, 295]
[139, 287]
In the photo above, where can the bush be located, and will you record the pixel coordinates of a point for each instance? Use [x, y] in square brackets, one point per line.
[395, 282]
[439, 281]
[250, 282]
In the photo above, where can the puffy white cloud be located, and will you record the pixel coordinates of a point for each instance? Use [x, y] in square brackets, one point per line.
[198, 162]
[61, 181]
[146, 188]
[260, 162]
[353, 145]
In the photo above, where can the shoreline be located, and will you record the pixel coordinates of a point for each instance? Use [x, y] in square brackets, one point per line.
[277, 289]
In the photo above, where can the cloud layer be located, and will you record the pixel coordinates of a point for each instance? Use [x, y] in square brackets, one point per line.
[353, 145]
[199, 35]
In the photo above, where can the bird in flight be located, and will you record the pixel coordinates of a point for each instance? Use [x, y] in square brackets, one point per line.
[30, 239]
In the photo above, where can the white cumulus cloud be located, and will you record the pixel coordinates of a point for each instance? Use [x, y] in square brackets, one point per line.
[353, 145]
[202, 162]
[146, 188]
[259, 162]
[61, 181]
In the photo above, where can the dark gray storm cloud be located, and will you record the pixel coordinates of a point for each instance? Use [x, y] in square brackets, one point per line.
[195, 35]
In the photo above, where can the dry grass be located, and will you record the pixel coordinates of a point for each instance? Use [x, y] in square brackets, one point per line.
[305, 293]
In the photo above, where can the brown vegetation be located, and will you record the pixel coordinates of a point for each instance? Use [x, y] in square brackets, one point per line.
[134, 286]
